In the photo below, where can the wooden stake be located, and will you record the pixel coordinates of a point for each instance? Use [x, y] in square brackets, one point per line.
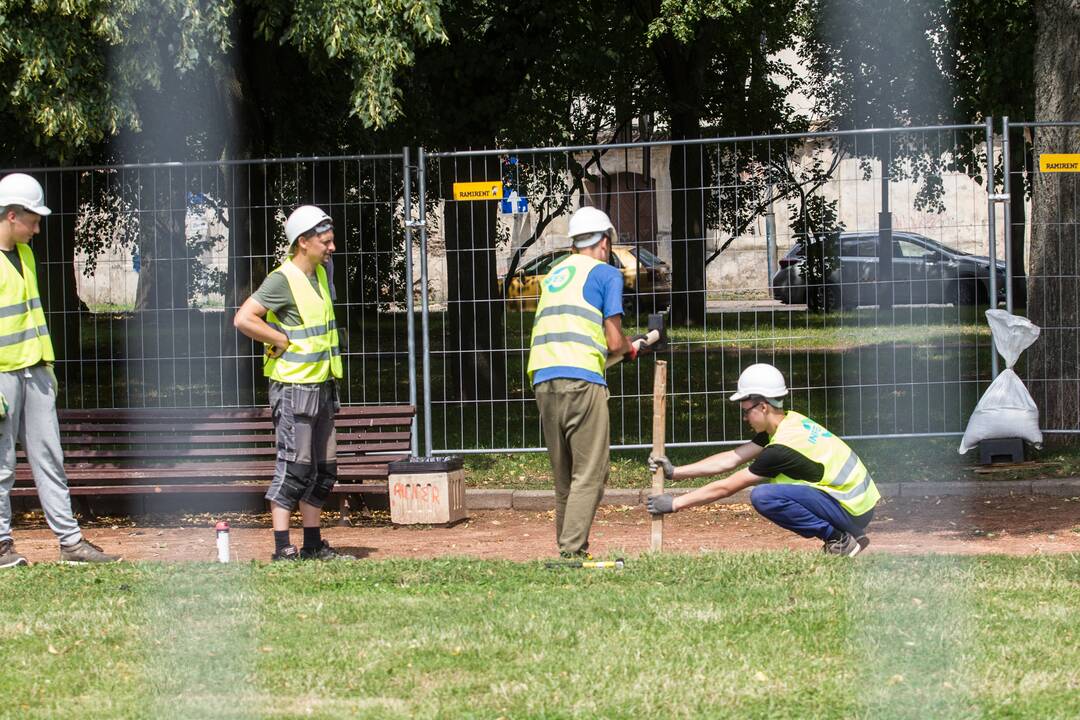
[659, 415]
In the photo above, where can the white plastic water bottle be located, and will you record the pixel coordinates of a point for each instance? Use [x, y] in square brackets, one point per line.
[222, 541]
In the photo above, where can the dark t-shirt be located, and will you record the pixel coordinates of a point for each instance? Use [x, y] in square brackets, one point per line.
[13, 256]
[781, 460]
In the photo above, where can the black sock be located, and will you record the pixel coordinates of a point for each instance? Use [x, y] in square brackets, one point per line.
[281, 539]
[312, 538]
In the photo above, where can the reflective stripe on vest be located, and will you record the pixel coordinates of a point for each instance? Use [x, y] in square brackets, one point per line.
[24, 336]
[567, 330]
[844, 477]
[314, 354]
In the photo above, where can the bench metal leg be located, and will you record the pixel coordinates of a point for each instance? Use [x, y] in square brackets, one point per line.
[345, 519]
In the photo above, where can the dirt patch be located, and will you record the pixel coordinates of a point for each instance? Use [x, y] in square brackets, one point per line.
[962, 525]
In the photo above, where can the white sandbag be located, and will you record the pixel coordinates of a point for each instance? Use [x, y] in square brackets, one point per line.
[1006, 409]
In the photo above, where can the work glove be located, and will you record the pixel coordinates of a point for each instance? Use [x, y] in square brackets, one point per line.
[662, 462]
[3, 407]
[52, 378]
[642, 344]
[661, 504]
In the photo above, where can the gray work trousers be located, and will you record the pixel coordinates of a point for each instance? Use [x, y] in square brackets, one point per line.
[574, 414]
[32, 419]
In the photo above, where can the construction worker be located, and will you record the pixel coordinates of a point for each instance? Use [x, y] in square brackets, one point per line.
[818, 487]
[578, 326]
[27, 382]
[292, 313]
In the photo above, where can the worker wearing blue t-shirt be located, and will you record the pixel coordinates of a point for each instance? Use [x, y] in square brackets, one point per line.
[578, 326]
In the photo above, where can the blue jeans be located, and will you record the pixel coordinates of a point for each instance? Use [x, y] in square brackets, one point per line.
[807, 511]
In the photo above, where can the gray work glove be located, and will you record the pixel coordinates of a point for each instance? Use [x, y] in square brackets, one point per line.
[3, 407]
[662, 462]
[661, 504]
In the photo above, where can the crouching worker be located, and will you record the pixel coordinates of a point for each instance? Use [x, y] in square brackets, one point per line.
[293, 315]
[818, 487]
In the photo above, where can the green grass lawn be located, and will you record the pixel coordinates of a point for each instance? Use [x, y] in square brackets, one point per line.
[768, 635]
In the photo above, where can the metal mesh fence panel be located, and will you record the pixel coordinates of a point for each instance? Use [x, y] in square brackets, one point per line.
[1042, 170]
[142, 268]
[857, 263]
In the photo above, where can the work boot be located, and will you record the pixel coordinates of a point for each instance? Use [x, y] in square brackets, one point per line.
[847, 545]
[8, 556]
[85, 551]
[324, 552]
[289, 552]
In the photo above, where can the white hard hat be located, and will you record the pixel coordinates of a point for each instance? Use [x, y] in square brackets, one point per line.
[760, 379]
[23, 190]
[588, 226]
[301, 220]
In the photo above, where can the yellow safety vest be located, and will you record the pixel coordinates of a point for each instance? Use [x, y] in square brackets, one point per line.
[313, 355]
[567, 330]
[24, 337]
[845, 478]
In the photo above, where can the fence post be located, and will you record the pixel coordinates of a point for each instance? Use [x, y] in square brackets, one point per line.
[410, 322]
[421, 177]
[885, 247]
[991, 207]
[1007, 195]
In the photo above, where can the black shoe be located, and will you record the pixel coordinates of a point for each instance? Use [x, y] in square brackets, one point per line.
[8, 556]
[579, 555]
[289, 552]
[324, 552]
[847, 545]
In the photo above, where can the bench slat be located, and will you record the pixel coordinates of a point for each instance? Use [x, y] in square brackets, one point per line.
[173, 450]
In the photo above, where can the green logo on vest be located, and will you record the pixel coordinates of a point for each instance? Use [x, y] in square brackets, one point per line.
[559, 278]
[815, 431]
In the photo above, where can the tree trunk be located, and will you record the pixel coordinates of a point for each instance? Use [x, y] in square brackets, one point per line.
[1054, 297]
[687, 222]
[476, 363]
[245, 134]
[56, 268]
[1019, 159]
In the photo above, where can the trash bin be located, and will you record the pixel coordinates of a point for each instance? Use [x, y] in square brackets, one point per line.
[429, 490]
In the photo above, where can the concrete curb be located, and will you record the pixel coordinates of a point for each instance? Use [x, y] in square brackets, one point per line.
[543, 500]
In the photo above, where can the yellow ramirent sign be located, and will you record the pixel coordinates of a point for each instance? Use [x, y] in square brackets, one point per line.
[488, 190]
[1059, 162]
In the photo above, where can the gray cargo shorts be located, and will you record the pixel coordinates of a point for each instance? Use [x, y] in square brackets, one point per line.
[306, 466]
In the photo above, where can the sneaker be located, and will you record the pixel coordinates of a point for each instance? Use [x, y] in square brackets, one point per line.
[8, 556]
[85, 551]
[289, 552]
[324, 552]
[847, 545]
[579, 555]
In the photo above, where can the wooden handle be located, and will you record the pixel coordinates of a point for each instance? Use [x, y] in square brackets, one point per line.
[659, 400]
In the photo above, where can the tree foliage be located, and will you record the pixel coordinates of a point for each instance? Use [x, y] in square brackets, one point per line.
[74, 71]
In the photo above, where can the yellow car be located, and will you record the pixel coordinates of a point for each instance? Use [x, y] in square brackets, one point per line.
[646, 284]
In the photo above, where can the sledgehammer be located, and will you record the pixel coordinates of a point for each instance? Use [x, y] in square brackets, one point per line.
[655, 338]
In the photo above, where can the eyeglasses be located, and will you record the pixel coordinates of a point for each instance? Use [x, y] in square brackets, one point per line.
[746, 411]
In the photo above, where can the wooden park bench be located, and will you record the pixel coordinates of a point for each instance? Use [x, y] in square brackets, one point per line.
[212, 450]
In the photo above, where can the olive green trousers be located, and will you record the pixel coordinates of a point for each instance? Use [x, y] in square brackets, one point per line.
[574, 414]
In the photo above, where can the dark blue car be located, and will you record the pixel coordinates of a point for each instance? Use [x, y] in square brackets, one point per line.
[924, 272]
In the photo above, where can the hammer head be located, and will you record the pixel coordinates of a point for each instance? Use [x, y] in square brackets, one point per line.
[656, 322]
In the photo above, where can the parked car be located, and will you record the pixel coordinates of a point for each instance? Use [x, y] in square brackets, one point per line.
[924, 272]
[646, 279]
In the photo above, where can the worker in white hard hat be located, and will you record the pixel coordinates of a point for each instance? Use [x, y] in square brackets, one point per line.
[807, 480]
[578, 325]
[292, 314]
[28, 384]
